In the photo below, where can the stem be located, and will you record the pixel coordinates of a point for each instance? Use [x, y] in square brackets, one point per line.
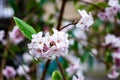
[61, 68]
[61, 14]
[7, 49]
[45, 69]
[98, 59]
[3, 62]
[73, 23]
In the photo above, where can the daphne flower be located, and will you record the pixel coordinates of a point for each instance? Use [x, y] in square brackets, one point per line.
[75, 64]
[86, 20]
[60, 38]
[23, 70]
[27, 58]
[80, 36]
[49, 46]
[113, 2]
[16, 36]
[79, 76]
[74, 67]
[111, 11]
[112, 40]
[116, 57]
[2, 34]
[9, 72]
[113, 74]
[94, 51]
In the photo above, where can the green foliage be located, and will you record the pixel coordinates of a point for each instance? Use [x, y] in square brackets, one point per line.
[42, 2]
[25, 28]
[118, 16]
[85, 56]
[56, 75]
[97, 24]
[14, 48]
[102, 5]
[13, 4]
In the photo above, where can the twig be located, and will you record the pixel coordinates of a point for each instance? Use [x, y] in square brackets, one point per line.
[14, 57]
[45, 69]
[61, 14]
[3, 62]
[73, 23]
[61, 68]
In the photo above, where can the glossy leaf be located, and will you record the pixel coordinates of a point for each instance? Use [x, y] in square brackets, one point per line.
[56, 75]
[25, 28]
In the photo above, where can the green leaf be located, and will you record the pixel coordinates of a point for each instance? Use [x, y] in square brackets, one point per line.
[25, 28]
[42, 3]
[56, 75]
[91, 8]
[102, 5]
[97, 24]
[118, 16]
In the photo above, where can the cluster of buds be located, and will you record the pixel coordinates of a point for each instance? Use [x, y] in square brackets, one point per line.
[49, 46]
[110, 12]
[9, 72]
[114, 42]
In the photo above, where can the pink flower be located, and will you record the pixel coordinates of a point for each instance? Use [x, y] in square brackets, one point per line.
[49, 46]
[105, 16]
[116, 57]
[114, 3]
[79, 76]
[112, 40]
[27, 58]
[16, 36]
[2, 34]
[23, 70]
[80, 36]
[74, 67]
[110, 12]
[9, 72]
[86, 21]
[113, 74]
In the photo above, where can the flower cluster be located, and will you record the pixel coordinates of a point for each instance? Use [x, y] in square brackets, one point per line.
[112, 40]
[86, 20]
[49, 46]
[113, 74]
[110, 12]
[10, 72]
[75, 65]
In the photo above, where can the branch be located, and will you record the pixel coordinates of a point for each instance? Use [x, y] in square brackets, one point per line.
[61, 14]
[73, 23]
[61, 68]
[3, 62]
[19, 62]
[45, 69]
